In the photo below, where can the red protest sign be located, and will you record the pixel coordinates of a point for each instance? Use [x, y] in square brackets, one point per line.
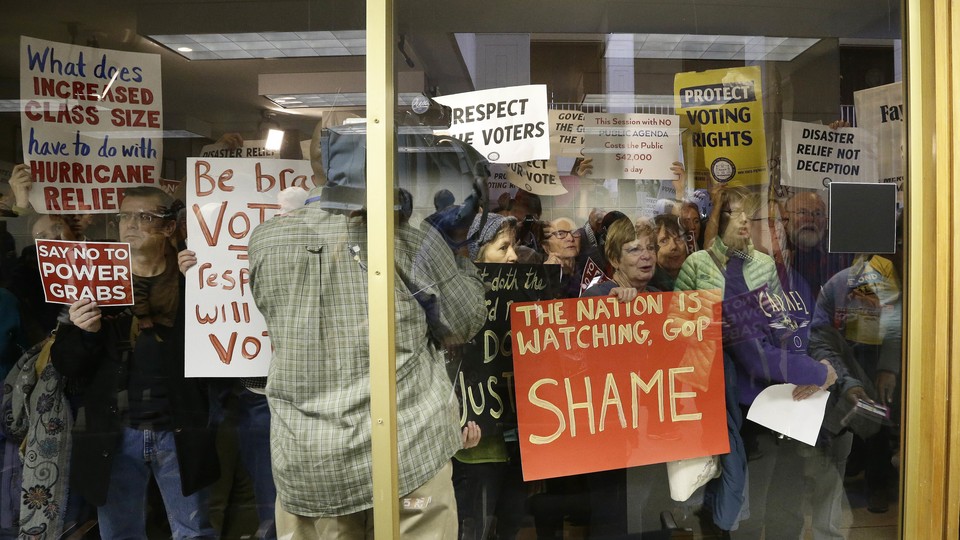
[604, 385]
[98, 271]
[592, 274]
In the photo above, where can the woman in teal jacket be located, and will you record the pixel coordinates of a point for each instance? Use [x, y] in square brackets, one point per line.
[755, 356]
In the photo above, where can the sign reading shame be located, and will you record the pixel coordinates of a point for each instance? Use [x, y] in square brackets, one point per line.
[632, 146]
[814, 155]
[98, 271]
[226, 336]
[92, 124]
[484, 380]
[625, 383]
[506, 125]
[723, 113]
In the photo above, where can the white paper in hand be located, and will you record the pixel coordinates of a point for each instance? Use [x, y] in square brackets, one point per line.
[776, 409]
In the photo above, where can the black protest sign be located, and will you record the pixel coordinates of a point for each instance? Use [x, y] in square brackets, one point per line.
[483, 376]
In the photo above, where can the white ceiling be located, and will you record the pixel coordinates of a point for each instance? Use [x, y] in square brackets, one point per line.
[222, 95]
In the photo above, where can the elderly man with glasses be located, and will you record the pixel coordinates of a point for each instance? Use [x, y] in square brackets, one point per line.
[804, 219]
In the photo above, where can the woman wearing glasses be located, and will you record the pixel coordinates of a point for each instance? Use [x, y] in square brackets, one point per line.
[561, 245]
[632, 253]
[761, 347]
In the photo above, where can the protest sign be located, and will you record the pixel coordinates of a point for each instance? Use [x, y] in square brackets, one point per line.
[484, 367]
[506, 125]
[98, 271]
[539, 176]
[625, 383]
[592, 275]
[498, 186]
[722, 111]
[566, 133]
[92, 124]
[250, 149]
[631, 146]
[880, 113]
[813, 155]
[226, 335]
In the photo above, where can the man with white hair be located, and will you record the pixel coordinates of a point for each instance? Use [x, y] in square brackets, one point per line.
[805, 222]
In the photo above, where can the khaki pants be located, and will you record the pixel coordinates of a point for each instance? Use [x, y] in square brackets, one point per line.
[429, 512]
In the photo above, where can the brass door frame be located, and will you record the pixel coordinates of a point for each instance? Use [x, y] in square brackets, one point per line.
[930, 461]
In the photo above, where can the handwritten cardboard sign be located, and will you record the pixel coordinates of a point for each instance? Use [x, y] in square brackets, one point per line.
[98, 271]
[880, 113]
[633, 146]
[538, 176]
[813, 155]
[626, 384]
[566, 133]
[506, 125]
[722, 110]
[226, 335]
[92, 124]
[483, 376]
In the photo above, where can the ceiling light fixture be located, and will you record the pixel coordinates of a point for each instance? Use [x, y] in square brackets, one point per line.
[706, 47]
[332, 89]
[274, 139]
[265, 44]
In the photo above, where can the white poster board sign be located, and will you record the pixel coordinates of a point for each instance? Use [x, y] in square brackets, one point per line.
[566, 133]
[539, 176]
[880, 112]
[92, 124]
[506, 125]
[813, 155]
[226, 335]
[250, 149]
[632, 146]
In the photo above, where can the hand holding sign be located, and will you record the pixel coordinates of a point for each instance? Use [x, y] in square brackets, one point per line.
[21, 182]
[186, 260]
[85, 315]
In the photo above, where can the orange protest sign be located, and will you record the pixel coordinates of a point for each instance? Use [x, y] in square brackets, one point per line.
[604, 385]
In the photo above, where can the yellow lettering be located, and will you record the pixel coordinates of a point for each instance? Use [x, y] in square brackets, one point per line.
[611, 396]
[572, 406]
[674, 396]
[544, 404]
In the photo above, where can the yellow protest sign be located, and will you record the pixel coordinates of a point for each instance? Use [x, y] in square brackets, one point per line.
[722, 113]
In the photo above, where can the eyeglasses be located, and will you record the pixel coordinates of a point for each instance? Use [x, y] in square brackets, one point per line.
[145, 218]
[637, 250]
[816, 214]
[563, 234]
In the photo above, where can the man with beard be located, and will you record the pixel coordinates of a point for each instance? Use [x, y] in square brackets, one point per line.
[805, 222]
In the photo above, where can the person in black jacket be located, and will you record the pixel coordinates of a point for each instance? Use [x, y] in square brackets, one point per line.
[137, 415]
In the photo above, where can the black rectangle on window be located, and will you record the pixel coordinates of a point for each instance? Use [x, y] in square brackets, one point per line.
[863, 218]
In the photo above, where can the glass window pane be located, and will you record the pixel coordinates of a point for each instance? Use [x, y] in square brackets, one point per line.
[663, 250]
[615, 225]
